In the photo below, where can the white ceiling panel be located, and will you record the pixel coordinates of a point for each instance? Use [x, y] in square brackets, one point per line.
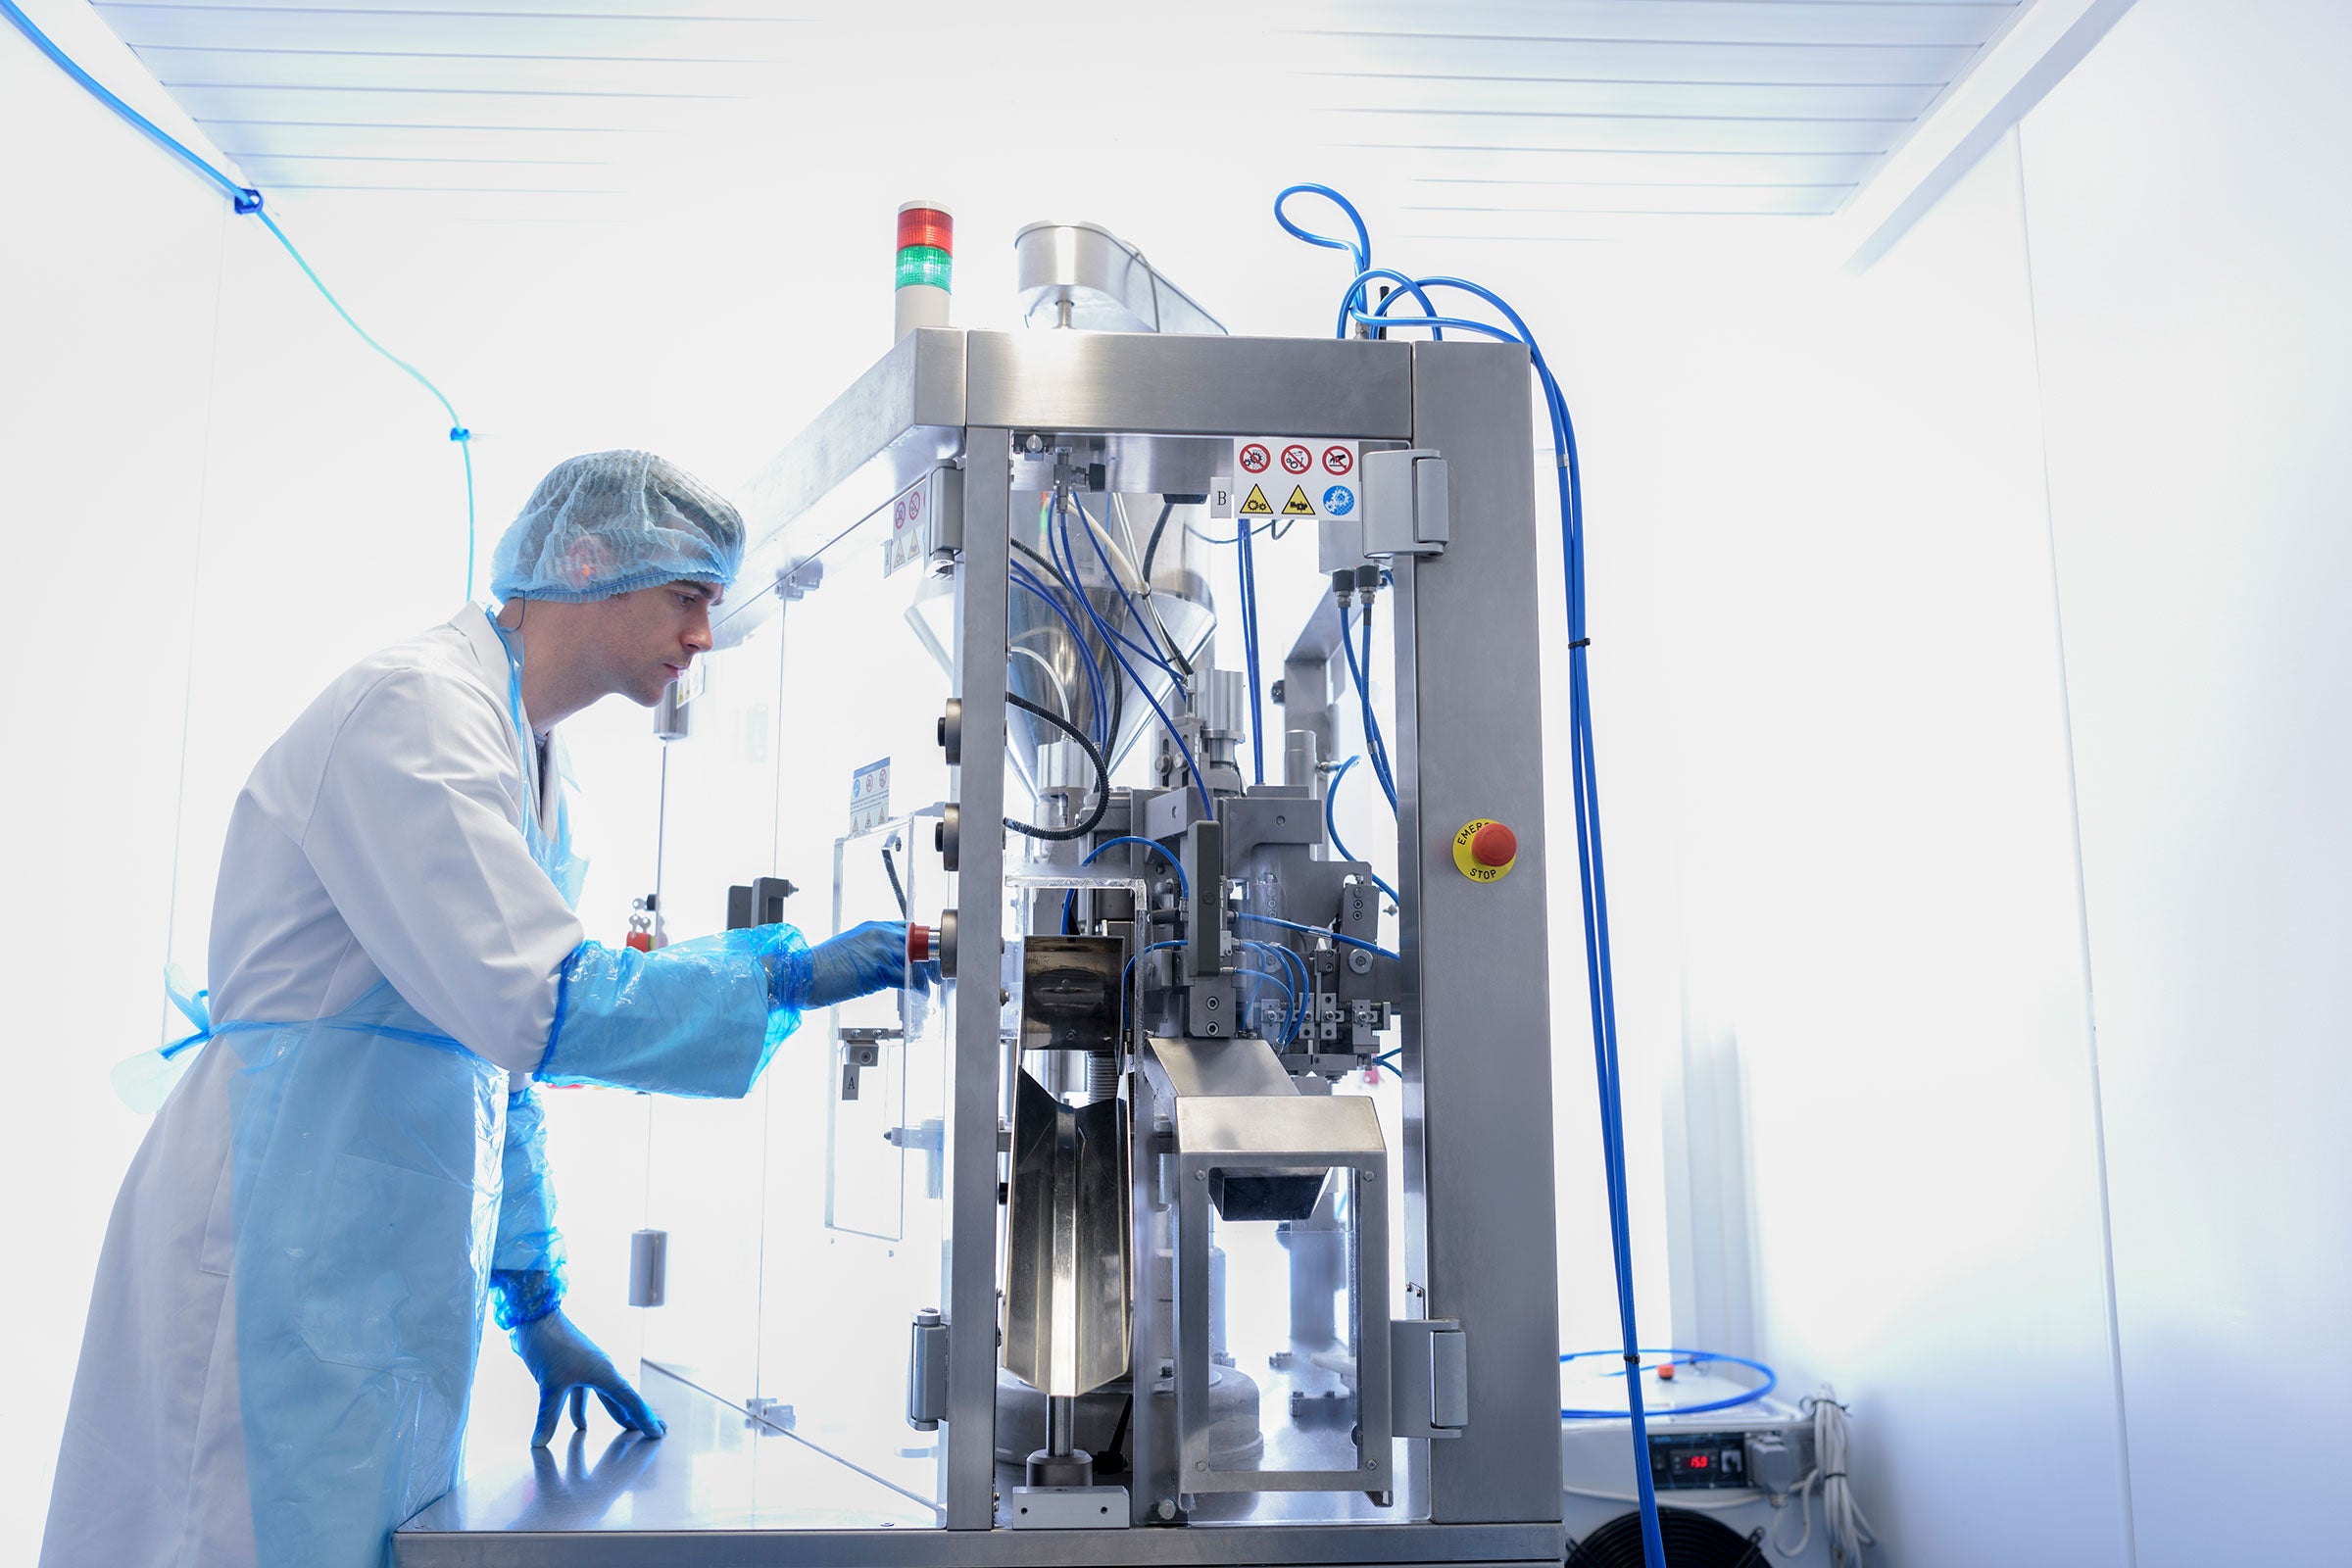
[1657, 60]
[284, 140]
[257, 69]
[1519, 119]
[646, 35]
[515, 108]
[1841, 24]
[1485, 130]
[1896, 103]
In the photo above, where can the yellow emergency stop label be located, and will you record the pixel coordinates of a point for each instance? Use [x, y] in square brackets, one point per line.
[1466, 863]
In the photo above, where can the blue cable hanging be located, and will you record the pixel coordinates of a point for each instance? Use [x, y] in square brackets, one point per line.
[248, 203]
[1602, 991]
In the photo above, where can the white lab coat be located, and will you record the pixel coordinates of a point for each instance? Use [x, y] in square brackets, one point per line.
[381, 839]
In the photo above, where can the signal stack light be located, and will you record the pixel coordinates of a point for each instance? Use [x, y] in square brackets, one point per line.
[926, 266]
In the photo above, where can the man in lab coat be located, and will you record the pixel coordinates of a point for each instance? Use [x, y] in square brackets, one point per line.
[283, 1328]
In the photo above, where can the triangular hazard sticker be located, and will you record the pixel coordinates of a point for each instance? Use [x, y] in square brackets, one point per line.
[1297, 506]
[1258, 505]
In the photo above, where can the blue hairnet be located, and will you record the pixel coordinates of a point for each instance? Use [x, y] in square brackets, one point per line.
[611, 522]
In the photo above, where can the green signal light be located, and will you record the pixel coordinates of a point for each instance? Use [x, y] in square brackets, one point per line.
[924, 264]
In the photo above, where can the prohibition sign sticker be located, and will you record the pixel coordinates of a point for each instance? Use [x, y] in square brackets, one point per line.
[1336, 460]
[1255, 459]
[1296, 458]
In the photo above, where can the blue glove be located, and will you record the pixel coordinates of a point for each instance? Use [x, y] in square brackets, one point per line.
[564, 1362]
[859, 961]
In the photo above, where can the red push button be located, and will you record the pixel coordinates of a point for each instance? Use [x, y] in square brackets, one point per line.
[922, 944]
[1485, 850]
[1494, 845]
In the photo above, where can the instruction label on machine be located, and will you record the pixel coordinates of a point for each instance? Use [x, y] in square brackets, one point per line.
[913, 525]
[869, 797]
[1287, 476]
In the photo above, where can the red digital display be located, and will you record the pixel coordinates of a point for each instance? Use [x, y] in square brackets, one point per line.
[1699, 1461]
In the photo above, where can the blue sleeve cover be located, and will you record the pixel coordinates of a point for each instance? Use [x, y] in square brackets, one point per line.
[698, 1018]
[526, 1263]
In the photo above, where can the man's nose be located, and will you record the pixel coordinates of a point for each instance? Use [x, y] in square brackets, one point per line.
[698, 634]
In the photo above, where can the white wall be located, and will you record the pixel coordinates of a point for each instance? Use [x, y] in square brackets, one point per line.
[1831, 660]
[2189, 221]
[1878, 668]
[207, 511]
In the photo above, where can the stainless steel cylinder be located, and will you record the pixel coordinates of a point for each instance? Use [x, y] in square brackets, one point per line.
[1299, 758]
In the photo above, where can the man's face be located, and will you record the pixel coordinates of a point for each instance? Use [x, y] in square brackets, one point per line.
[645, 639]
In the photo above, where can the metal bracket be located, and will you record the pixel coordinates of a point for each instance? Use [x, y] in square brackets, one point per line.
[759, 903]
[1405, 507]
[765, 1416]
[861, 1047]
[649, 1267]
[1429, 1377]
[928, 1371]
[1067, 1509]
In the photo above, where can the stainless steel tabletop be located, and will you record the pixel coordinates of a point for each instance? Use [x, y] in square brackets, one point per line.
[717, 1493]
[713, 1472]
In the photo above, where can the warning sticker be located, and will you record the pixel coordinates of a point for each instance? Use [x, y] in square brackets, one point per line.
[1313, 464]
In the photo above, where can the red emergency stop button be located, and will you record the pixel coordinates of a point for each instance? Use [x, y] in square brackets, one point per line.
[1485, 850]
[922, 944]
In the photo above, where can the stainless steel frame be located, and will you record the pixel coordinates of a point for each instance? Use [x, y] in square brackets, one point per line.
[1475, 1166]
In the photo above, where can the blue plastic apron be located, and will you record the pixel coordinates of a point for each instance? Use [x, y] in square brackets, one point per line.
[366, 1152]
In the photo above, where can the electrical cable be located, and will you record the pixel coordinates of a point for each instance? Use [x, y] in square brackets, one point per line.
[1102, 774]
[1306, 984]
[1289, 997]
[1374, 747]
[1167, 639]
[1021, 578]
[1094, 536]
[1128, 974]
[1264, 530]
[1184, 887]
[1060, 691]
[1676, 1358]
[1247, 563]
[1344, 941]
[1152, 548]
[1331, 829]
[1599, 969]
[248, 203]
[1375, 742]
[1840, 1514]
[1208, 802]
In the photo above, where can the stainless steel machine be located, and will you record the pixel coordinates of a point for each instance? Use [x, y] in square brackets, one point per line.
[1112, 1252]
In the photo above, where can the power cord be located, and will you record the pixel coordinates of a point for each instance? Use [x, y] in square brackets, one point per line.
[1840, 1514]
[1093, 754]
